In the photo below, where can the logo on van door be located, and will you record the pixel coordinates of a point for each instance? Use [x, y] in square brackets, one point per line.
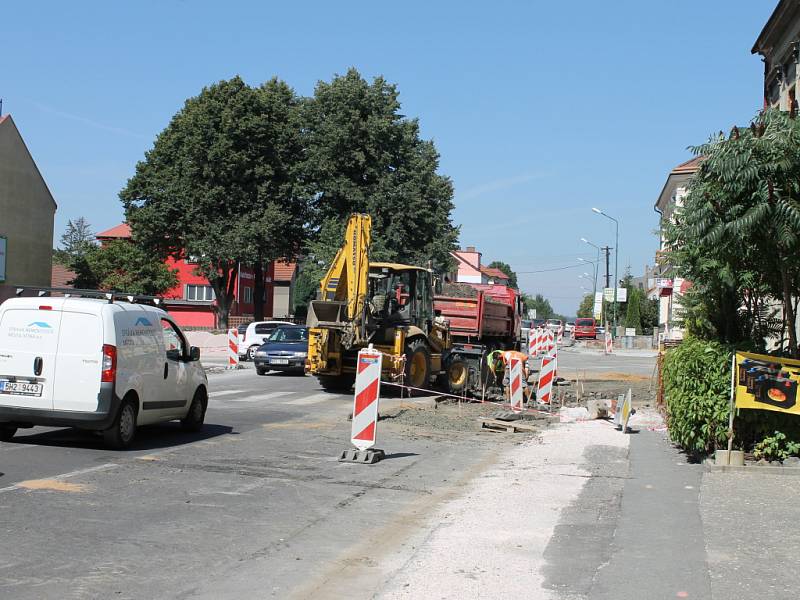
[142, 322]
[34, 330]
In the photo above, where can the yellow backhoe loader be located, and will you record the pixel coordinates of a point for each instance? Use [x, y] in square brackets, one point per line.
[385, 304]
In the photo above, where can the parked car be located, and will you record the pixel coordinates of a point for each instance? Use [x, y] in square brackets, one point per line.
[554, 325]
[585, 328]
[524, 331]
[538, 323]
[96, 365]
[256, 334]
[569, 327]
[285, 350]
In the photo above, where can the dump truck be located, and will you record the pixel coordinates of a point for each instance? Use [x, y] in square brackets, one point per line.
[388, 305]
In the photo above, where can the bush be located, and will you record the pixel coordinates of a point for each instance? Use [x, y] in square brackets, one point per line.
[776, 447]
[697, 379]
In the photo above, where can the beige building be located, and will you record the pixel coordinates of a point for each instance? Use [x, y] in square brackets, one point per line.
[27, 210]
[669, 288]
[779, 45]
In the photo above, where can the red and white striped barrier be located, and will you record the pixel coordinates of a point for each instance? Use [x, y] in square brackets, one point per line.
[551, 341]
[233, 348]
[365, 402]
[544, 388]
[560, 338]
[532, 339]
[515, 384]
[540, 341]
[609, 346]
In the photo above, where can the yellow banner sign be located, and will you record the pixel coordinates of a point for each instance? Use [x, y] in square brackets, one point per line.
[767, 383]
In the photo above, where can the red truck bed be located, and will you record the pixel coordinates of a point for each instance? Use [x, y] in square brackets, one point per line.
[472, 319]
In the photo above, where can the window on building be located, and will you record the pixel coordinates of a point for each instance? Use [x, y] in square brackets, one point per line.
[248, 295]
[203, 293]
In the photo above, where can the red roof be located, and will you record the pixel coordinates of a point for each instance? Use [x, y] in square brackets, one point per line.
[284, 271]
[493, 272]
[61, 276]
[121, 231]
[688, 167]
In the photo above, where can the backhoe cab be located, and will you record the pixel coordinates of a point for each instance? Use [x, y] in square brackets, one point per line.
[388, 305]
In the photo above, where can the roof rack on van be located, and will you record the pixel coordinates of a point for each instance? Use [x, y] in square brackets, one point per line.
[109, 295]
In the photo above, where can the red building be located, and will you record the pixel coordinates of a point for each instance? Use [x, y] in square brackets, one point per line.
[191, 301]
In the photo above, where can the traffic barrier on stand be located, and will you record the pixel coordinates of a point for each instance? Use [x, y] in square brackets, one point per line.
[364, 431]
[609, 346]
[544, 388]
[560, 339]
[233, 348]
[532, 339]
[541, 342]
[626, 412]
[551, 341]
[515, 384]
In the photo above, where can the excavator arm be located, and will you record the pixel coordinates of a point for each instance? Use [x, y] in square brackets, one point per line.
[348, 276]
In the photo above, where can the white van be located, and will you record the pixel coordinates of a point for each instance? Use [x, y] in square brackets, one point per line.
[96, 364]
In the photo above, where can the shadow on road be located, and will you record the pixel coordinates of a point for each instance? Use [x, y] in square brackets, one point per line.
[399, 455]
[148, 437]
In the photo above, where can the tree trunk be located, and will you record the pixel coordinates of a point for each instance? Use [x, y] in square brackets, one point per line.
[224, 285]
[258, 291]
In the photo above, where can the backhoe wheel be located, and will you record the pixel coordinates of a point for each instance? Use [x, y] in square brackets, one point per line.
[336, 383]
[418, 364]
[457, 375]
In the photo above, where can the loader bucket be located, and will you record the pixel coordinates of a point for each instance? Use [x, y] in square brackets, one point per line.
[326, 312]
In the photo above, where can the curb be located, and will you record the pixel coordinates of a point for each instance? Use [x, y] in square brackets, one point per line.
[767, 470]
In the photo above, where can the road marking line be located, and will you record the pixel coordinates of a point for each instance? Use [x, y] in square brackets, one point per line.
[259, 397]
[63, 476]
[315, 399]
[224, 393]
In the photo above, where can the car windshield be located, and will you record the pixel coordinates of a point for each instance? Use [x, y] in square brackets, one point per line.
[584, 322]
[289, 334]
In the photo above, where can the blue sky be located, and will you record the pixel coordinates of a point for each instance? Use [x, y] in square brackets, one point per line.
[540, 110]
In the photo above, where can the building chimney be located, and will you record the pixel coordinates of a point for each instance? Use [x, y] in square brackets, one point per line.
[470, 249]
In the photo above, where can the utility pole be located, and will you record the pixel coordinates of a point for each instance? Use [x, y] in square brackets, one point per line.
[607, 250]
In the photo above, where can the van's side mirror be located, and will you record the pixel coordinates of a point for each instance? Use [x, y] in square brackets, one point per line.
[194, 353]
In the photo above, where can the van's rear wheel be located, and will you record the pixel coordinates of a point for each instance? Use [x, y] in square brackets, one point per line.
[193, 421]
[122, 432]
[7, 432]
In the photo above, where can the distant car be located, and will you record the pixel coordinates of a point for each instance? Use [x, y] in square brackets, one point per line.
[585, 328]
[285, 350]
[554, 324]
[601, 331]
[570, 327]
[524, 330]
[538, 323]
[255, 335]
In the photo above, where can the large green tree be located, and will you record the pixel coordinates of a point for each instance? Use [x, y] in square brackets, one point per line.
[220, 184]
[76, 240]
[586, 308]
[737, 237]
[363, 155]
[123, 266]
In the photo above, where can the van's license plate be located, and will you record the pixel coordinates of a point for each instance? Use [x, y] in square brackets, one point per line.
[279, 361]
[20, 388]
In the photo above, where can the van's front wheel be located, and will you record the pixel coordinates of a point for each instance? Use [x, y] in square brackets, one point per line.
[193, 421]
[7, 432]
[122, 432]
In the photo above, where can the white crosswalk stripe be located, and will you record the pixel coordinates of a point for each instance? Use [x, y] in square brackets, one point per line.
[245, 397]
[313, 399]
[224, 393]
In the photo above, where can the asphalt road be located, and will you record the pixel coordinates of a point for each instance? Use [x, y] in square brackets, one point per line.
[256, 505]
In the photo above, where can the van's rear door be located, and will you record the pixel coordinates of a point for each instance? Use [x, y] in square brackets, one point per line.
[28, 344]
[80, 360]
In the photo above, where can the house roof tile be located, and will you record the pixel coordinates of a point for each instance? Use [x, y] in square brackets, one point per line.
[121, 231]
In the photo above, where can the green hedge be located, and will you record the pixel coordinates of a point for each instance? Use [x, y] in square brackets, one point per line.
[697, 379]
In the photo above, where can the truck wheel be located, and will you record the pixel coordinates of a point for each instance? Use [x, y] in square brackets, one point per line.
[457, 375]
[418, 364]
[7, 432]
[193, 421]
[122, 432]
[336, 383]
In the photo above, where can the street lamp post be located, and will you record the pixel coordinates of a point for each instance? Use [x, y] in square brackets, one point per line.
[616, 258]
[597, 269]
[594, 270]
